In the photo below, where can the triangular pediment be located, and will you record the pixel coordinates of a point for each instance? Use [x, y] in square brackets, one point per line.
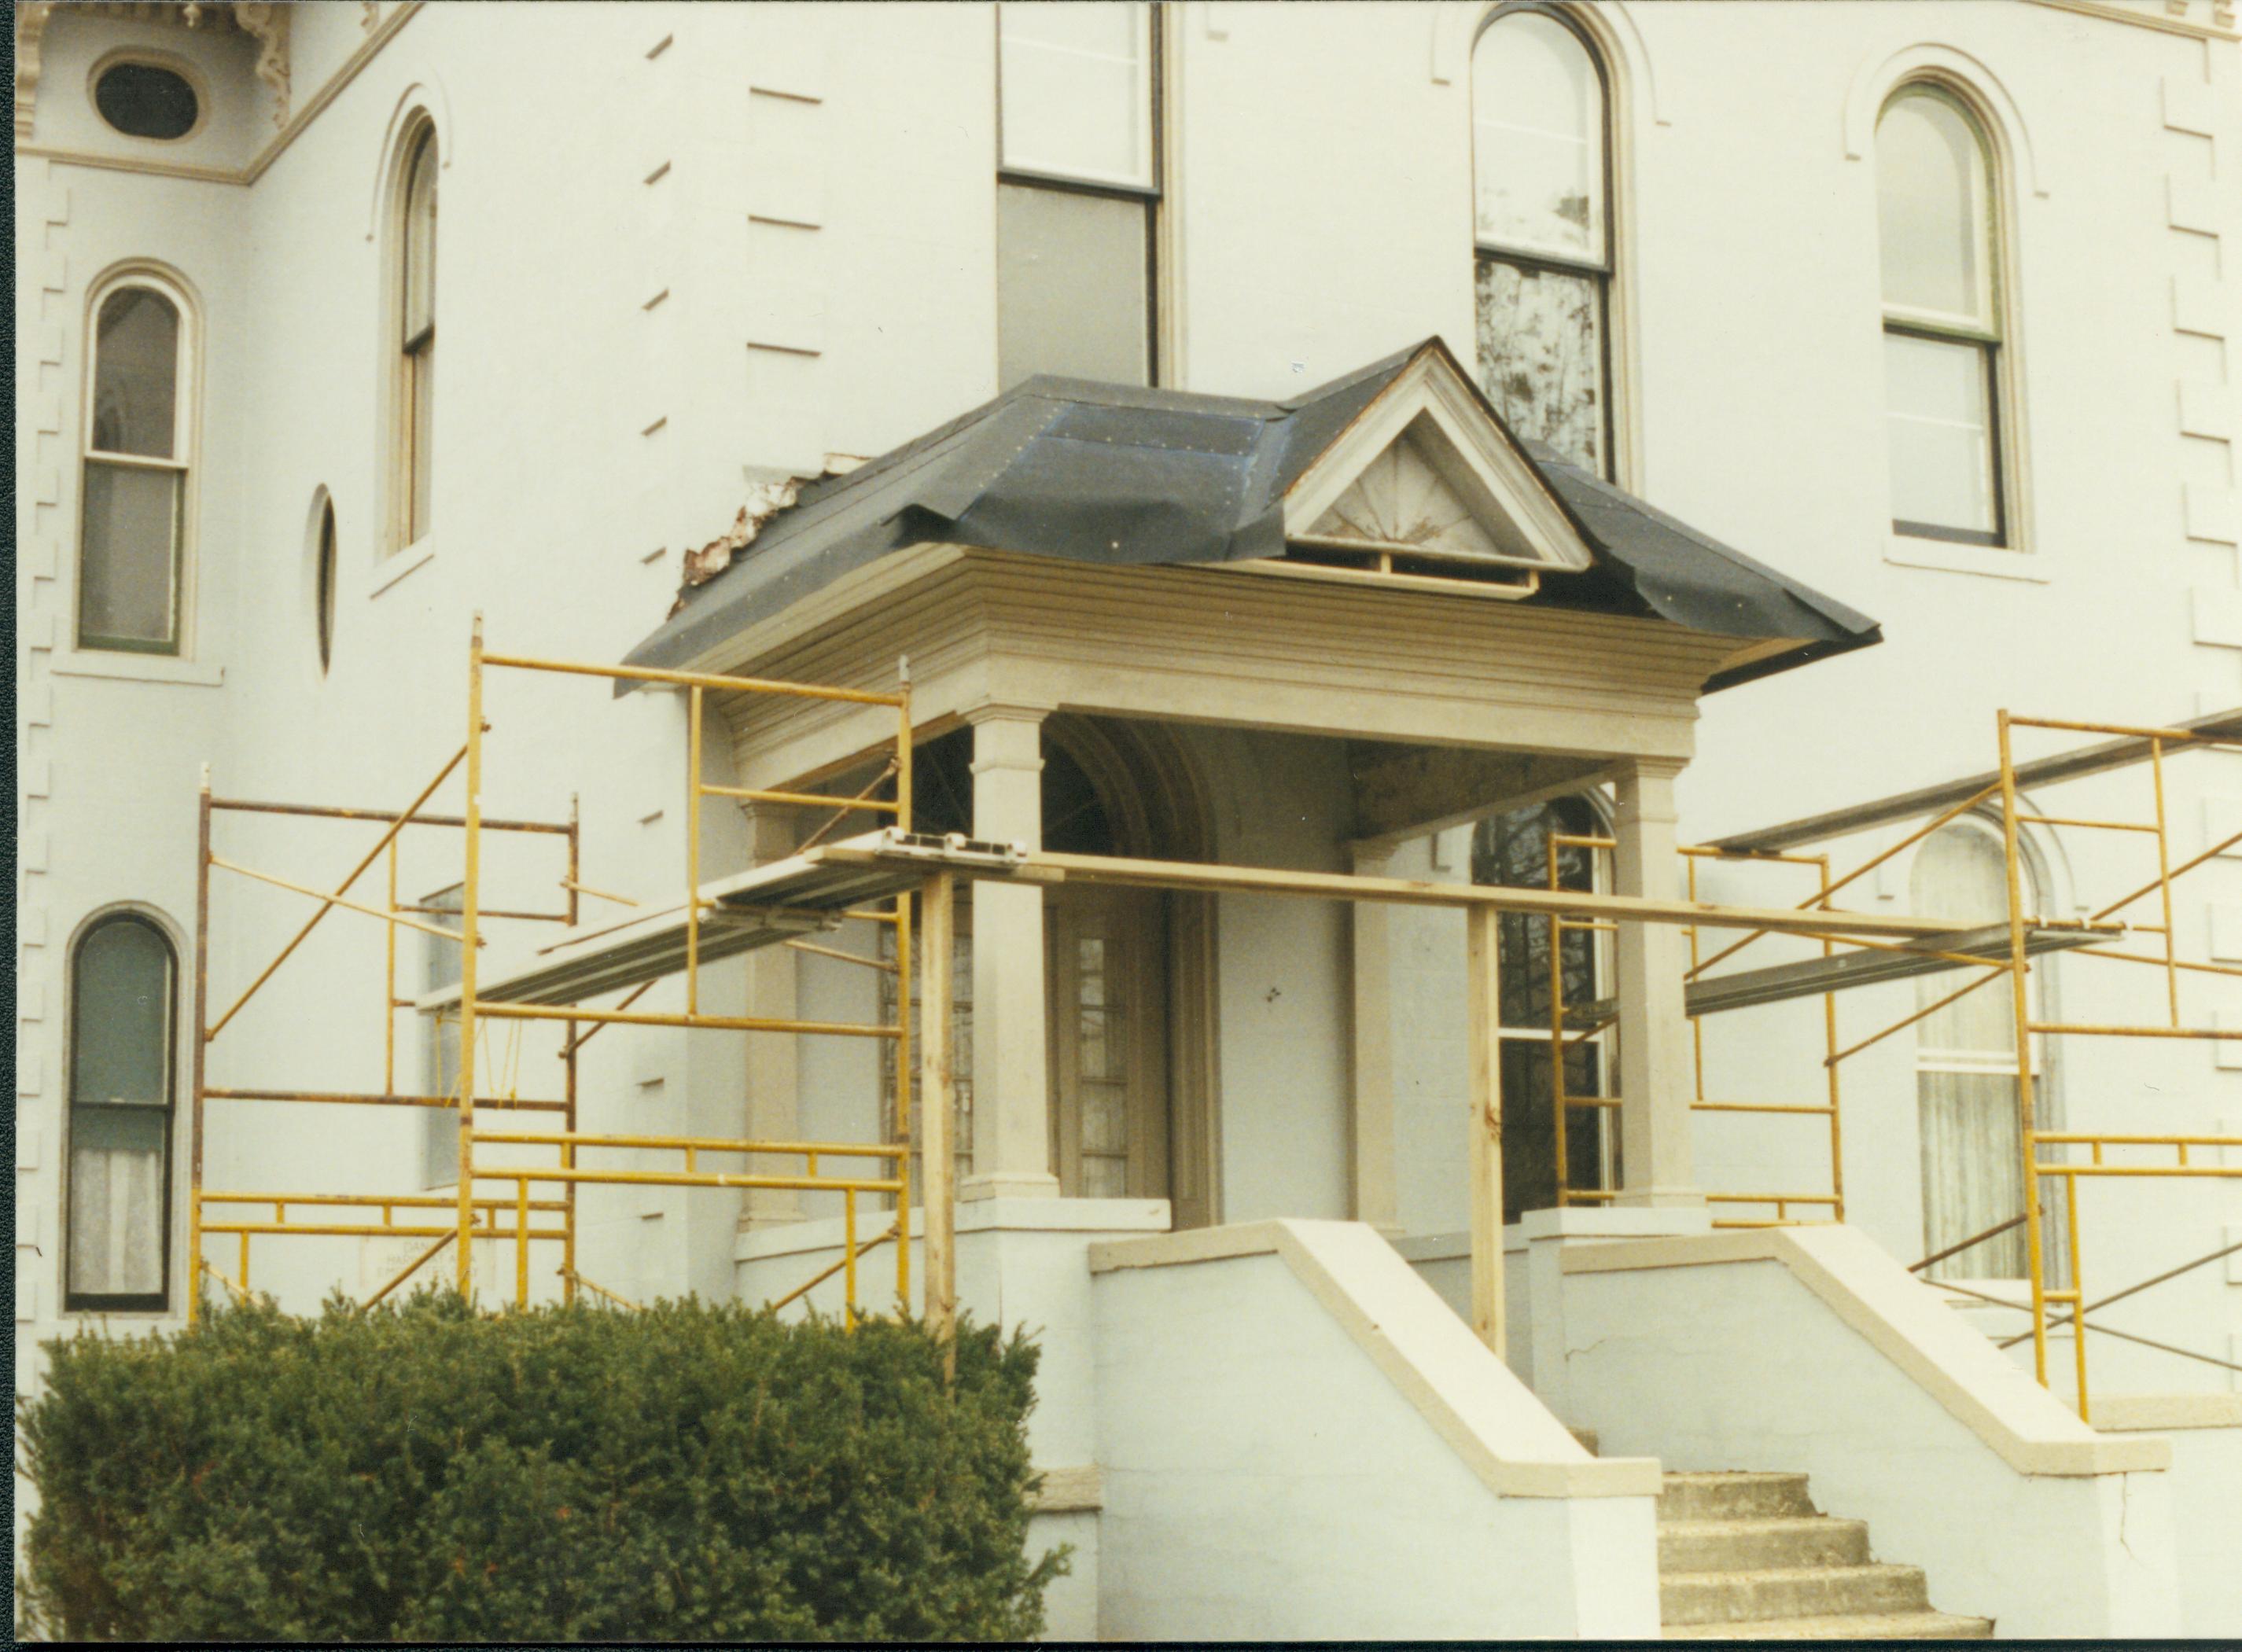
[1425, 471]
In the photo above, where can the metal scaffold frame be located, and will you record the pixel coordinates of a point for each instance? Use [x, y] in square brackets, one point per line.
[823, 884]
[2001, 953]
[2158, 743]
[479, 1210]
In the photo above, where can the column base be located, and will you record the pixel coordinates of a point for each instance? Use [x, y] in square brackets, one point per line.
[1664, 1199]
[1007, 1185]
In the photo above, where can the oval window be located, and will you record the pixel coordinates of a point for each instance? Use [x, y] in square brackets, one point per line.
[145, 100]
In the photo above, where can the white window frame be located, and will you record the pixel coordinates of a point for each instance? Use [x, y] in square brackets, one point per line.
[1602, 274]
[116, 1306]
[2011, 559]
[1152, 193]
[402, 354]
[185, 437]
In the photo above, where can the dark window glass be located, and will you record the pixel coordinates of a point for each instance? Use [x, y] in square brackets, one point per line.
[1513, 850]
[1540, 148]
[122, 988]
[324, 594]
[142, 100]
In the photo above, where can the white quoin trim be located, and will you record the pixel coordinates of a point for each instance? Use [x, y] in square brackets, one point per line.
[1457, 486]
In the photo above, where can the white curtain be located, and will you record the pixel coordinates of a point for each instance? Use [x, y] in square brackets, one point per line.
[1972, 1140]
[117, 1218]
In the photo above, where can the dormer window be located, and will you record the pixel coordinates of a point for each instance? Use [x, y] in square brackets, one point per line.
[1424, 489]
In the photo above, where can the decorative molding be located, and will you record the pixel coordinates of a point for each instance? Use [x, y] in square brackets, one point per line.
[269, 66]
[1612, 26]
[132, 163]
[31, 27]
[268, 25]
[2220, 15]
[1969, 78]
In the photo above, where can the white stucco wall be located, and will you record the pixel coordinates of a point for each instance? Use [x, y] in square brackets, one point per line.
[1265, 1479]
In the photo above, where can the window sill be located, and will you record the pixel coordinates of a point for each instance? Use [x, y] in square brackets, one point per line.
[1993, 561]
[137, 668]
[395, 568]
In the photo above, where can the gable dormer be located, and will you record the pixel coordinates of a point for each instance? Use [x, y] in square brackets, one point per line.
[1425, 484]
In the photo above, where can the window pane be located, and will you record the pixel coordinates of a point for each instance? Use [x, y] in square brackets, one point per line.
[1972, 1170]
[1076, 90]
[1512, 849]
[116, 1201]
[440, 1142]
[324, 595]
[1939, 412]
[136, 374]
[121, 1018]
[1960, 873]
[1537, 139]
[1931, 209]
[420, 389]
[127, 583]
[1070, 297]
[146, 100]
[1541, 358]
[1529, 1134]
[420, 240]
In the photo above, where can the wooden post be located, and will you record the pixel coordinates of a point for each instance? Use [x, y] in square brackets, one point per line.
[937, 1097]
[1483, 992]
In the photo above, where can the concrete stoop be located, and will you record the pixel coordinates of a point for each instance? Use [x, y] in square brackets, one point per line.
[1748, 1557]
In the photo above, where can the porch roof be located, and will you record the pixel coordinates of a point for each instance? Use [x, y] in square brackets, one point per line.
[1096, 473]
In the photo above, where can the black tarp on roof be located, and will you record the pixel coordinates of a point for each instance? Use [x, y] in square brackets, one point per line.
[1099, 473]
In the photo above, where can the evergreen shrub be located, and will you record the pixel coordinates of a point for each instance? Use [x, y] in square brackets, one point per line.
[423, 1472]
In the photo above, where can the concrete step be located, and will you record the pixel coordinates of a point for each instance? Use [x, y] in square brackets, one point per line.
[1733, 1496]
[1867, 1626]
[1761, 1545]
[1790, 1591]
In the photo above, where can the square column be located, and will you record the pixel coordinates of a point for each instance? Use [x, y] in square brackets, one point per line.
[1375, 1192]
[1655, 1082]
[1012, 1082]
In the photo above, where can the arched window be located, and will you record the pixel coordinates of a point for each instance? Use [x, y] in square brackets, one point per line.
[323, 586]
[132, 529]
[1942, 313]
[124, 989]
[1540, 157]
[1512, 849]
[1972, 1141]
[416, 339]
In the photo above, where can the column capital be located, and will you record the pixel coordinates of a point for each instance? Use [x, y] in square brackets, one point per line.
[1006, 711]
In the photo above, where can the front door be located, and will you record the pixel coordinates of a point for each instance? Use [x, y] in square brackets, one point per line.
[1108, 1049]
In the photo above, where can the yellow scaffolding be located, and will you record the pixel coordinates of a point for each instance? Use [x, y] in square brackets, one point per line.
[1591, 1020]
[2005, 954]
[524, 1203]
[2157, 742]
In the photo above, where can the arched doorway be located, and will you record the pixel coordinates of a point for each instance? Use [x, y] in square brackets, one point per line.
[1128, 972]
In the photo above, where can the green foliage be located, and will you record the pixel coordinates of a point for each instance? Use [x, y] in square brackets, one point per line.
[425, 1472]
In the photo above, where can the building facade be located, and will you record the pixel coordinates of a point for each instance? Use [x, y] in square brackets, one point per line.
[1925, 307]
